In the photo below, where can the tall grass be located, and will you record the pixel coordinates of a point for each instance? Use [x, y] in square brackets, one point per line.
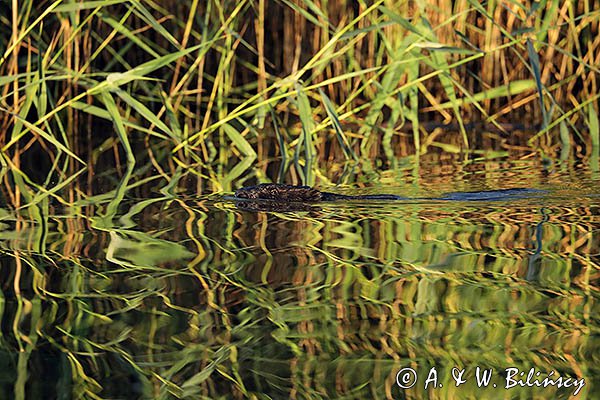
[342, 78]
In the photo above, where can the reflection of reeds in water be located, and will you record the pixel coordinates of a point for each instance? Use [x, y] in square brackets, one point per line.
[210, 300]
[474, 308]
[81, 80]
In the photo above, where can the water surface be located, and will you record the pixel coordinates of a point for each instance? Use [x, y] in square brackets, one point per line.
[171, 294]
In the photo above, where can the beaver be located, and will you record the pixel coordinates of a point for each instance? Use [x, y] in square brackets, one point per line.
[281, 193]
[302, 194]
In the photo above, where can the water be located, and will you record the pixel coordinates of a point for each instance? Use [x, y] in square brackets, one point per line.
[163, 293]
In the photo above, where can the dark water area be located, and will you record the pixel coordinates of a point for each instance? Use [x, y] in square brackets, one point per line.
[177, 295]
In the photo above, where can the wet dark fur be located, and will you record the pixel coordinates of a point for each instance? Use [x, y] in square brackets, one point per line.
[301, 194]
[278, 192]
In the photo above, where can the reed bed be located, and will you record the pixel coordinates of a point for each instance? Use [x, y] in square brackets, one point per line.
[213, 80]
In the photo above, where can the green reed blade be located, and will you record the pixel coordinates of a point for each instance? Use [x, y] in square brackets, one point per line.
[440, 63]
[307, 123]
[85, 5]
[49, 138]
[283, 150]
[332, 114]
[534, 61]
[42, 100]
[309, 17]
[412, 112]
[175, 128]
[511, 89]
[147, 16]
[112, 109]
[102, 113]
[400, 20]
[43, 193]
[442, 48]
[564, 117]
[145, 112]
[239, 141]
[20, 120]
[119, 26]
[140, 72]
[594, 125]
[5, 80]
[565, 140]
[549, 18]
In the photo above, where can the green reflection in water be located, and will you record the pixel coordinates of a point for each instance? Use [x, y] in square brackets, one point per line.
[190, 297]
